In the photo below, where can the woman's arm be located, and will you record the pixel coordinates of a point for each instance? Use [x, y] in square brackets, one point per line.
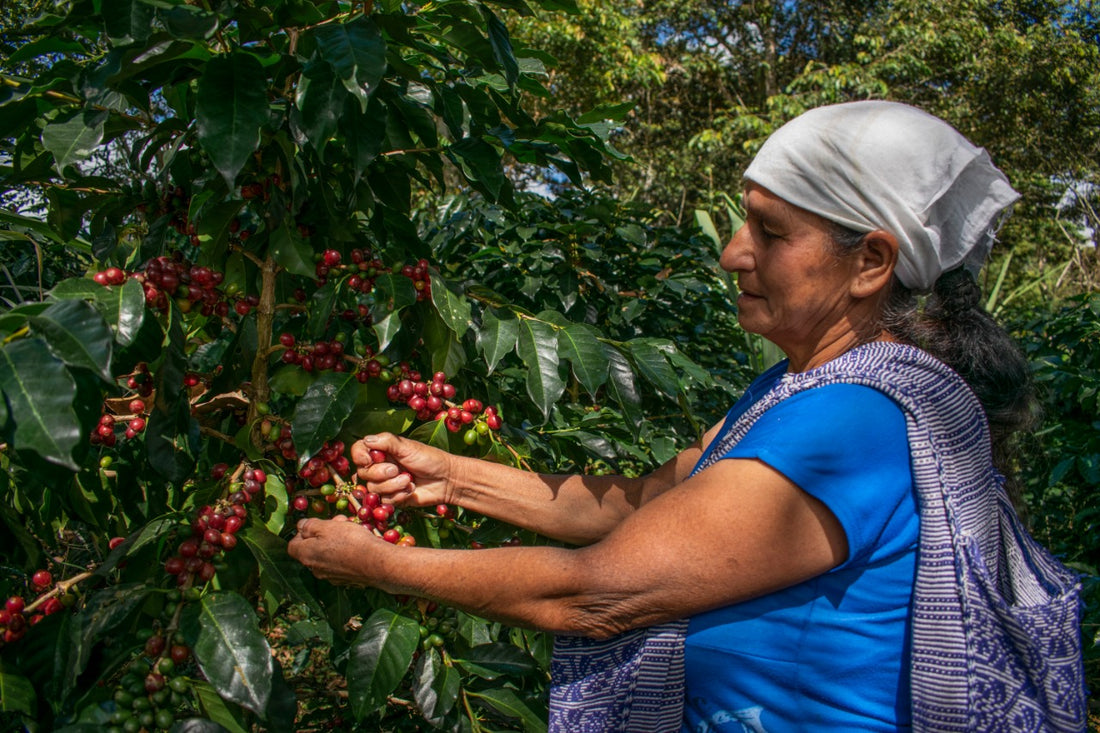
[571, 508]
[735, 531]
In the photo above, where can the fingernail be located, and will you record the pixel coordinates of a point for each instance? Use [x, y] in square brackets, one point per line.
[391, 470]
[370, 438]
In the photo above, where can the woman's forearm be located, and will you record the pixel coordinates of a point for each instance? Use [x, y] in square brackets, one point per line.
[575, 509]
[572, 508]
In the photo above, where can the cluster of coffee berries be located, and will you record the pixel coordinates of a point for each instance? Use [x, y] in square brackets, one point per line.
[192, 286]
[438, 625]
[110, 276]
[329, 462]
[177, 203]
[421, 279]
[213, 531]
[364, 268]
[283, 441]
[367, 269]
[13, 625]
[432, 401]
[104, 432]
[144, 701]
[320, 356]
[13, 616]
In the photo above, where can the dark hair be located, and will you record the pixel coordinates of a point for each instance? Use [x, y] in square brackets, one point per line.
[952, 325]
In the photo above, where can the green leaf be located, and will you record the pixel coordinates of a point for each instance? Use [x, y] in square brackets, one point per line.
[217, 710]
[505, 701]
[290, 251]
[231, 107]
[40, 392]
[229, 648]
[278, 568]
[75, 138]
[321, 96]
[357, 53]
[378, 659]
[187, 21]
[392, 293]
[77, 335]
[101, 613]
[623, 388]
[435, 687]
[654, 366]
[321, 305]
[321, 412]
[497, 338]
[537, 346]
[490, 661]
[578, 344]
[480, 162]
[444, 345]
[502, 46]
[451, 305]
[434, 433]
[127, 20]
[16, 693]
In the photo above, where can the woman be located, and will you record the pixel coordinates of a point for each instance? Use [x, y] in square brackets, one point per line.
[830, 556]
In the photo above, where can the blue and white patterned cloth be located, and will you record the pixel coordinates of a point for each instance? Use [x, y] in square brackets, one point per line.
[996, 619]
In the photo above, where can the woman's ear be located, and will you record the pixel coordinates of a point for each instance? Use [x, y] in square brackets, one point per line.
[877, 260]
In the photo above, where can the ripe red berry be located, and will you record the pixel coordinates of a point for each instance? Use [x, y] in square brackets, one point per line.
[115, 542]
[52, 606]
[179, 653]
[391, 536]
[286, 339]
[137, 406]
[42, 579]
[154, 645]
[15, 604]
[331, 257]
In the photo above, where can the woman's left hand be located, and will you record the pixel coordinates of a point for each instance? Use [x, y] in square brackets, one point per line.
[340, 552]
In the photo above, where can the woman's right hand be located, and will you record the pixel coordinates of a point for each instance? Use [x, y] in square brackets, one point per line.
[412, 473]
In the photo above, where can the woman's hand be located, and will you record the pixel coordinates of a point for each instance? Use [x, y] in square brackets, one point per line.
[413, 473]
[341, 552]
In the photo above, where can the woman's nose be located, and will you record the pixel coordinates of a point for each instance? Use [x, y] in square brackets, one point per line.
[736, 255]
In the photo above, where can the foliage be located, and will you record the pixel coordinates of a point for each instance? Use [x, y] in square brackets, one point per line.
[240, 268]
[1061, 465]
[710, 81]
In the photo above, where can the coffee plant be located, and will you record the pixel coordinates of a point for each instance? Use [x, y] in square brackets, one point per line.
[233, 246]
[1060, 463]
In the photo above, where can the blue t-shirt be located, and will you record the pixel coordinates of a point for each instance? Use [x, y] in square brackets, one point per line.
[832, 653]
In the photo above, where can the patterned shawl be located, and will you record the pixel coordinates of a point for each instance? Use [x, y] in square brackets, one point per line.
[996, 619]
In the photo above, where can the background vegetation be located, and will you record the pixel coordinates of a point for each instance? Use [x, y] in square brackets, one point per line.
[259, 219]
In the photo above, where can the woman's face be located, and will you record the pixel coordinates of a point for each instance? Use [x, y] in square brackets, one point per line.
[795, 290]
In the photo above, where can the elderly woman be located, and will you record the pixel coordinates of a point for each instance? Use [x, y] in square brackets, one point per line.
[838, 553]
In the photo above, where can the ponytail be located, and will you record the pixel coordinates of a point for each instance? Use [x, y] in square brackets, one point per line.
[954, 327]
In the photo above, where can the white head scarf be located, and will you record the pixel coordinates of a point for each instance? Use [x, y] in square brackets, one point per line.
[884, 165]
